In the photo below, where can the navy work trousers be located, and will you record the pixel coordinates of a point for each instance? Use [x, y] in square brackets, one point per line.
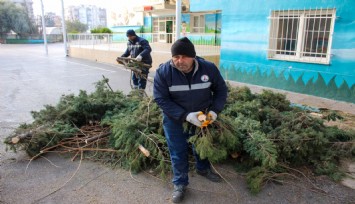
[140, 82]
[179, 149]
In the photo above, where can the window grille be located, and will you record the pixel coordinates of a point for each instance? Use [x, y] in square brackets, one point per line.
[301, 35]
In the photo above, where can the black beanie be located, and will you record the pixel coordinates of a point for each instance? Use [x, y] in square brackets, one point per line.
[183, 46]
[130, 32]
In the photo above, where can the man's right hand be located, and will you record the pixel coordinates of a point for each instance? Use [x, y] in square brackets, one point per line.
[139, 58]
[193, 118]
[119, 61]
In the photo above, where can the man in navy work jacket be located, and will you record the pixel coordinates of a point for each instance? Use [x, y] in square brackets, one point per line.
[138, 48]
[183, 87]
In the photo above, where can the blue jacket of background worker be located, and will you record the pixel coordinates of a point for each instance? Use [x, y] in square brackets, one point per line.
[139, 46]
[173, 92]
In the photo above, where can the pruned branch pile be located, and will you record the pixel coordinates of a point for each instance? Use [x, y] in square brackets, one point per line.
[262, 134]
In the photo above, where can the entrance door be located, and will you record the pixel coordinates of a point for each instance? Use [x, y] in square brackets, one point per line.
[169, 31]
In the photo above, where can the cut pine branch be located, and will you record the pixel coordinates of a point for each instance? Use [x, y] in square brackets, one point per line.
[144, 150]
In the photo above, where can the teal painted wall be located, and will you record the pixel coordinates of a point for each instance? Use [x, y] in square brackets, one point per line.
[147, 28]
[25, 41]
[244, 44]
[123, 29]
[211, 36]
[119, 32]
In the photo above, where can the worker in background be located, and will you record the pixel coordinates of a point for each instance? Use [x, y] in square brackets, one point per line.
[138, 48]
[184, 87]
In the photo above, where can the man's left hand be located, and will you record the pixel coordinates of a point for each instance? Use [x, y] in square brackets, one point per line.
[139, 58]
[212, 115]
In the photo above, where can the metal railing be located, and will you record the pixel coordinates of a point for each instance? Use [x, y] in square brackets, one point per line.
[205, 44]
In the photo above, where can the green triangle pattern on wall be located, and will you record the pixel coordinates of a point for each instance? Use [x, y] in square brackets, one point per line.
[316, 88]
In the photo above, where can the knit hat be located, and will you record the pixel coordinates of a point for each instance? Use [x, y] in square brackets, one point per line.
[130, 32]
[183, 46]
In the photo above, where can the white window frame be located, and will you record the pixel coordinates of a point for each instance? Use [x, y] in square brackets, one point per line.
[197, 23]
[297, 38]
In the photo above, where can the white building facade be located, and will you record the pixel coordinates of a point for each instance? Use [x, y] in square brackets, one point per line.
[90, 15]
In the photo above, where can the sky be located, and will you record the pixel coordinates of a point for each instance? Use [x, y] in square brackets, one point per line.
[56, 5]
[119, 12]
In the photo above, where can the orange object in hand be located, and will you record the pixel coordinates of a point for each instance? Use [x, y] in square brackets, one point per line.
[205, 120]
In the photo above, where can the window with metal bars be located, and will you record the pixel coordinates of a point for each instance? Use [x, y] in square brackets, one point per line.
[301, 35]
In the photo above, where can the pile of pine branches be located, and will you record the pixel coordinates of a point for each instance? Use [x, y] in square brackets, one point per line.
[260, 133]
[271, 137]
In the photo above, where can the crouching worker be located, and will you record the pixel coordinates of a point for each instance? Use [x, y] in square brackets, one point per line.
[184, 86]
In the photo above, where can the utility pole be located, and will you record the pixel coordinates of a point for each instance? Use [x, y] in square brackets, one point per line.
[178, 20]
[44, 30]
[64, 31]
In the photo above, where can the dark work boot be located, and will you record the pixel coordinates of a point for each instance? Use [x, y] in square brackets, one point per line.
[210, 175]
[178, 193]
